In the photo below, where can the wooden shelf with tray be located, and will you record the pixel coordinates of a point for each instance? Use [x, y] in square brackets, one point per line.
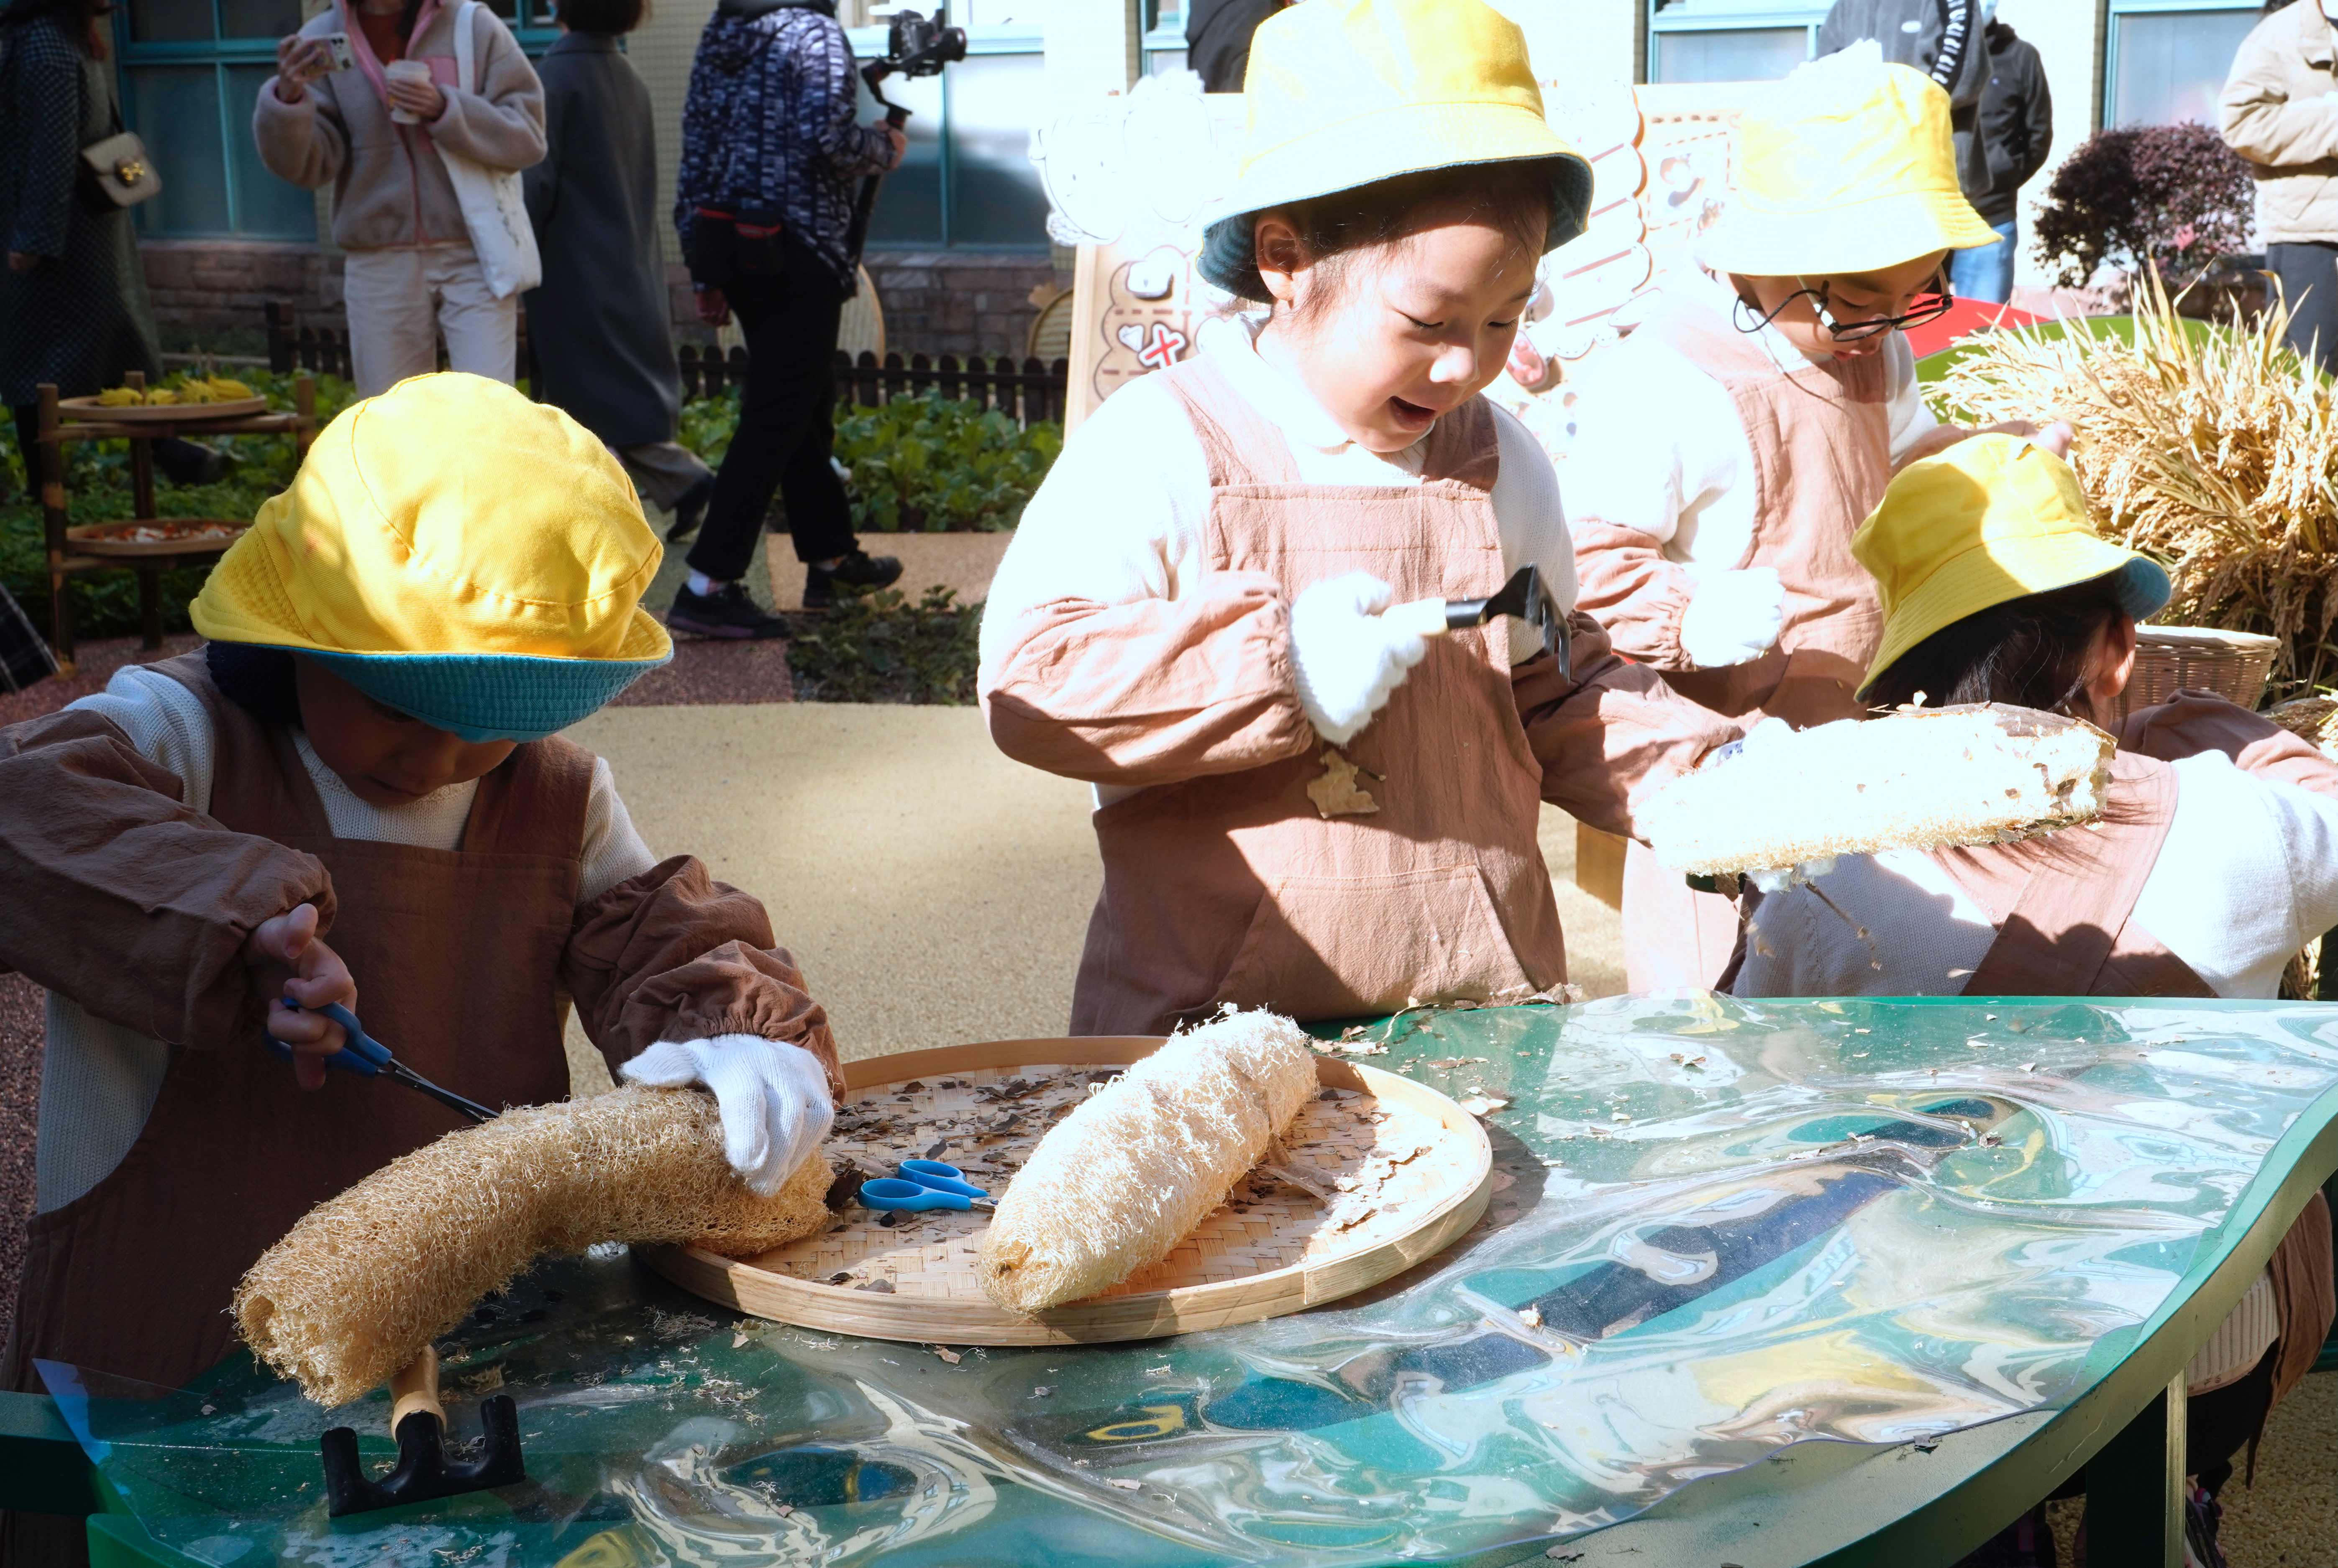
[73, 550]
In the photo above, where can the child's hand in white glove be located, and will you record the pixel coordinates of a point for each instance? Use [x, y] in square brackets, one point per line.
[775, 1100]
[1347, 660]
[1733, 618]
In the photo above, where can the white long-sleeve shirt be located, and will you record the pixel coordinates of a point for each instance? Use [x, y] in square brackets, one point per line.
[99, 1080]
[1123, 514]
[1658, 446]
[2247, 876]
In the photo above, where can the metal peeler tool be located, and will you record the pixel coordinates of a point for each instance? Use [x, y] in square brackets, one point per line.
[416, 1419]
[1522, 596]
[369, 1058]
[422, 1472]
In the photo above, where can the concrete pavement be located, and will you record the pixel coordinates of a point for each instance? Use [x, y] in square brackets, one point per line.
[934, 892]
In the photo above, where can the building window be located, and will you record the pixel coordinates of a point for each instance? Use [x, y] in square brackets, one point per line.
[966, 182]
[1729, 40]
[2169, 58]
[191, 71]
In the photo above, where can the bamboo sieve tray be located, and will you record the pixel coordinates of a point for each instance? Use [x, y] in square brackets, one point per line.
[1271, 1249]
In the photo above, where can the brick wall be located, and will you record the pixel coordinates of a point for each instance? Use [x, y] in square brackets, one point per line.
[936, 303]
[213, 285]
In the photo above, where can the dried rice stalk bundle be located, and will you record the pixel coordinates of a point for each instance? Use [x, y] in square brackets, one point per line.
[1920, 778]
[2315, 719]
[1116, 1185]
[365, 1281]
[2214, 454]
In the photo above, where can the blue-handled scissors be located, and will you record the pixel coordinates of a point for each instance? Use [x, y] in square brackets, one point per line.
[369, 1058]
[925, 1184]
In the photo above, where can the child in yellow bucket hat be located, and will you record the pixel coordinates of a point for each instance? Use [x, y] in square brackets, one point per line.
[1305, 803]
[2217, 859]
[1726, 449]
[353, 794]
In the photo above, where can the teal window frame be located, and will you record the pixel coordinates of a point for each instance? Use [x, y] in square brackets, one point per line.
[868, 44]
[2105, 109]
[223, 55]
[1743, 17]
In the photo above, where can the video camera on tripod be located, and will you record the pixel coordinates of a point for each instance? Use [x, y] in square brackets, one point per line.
[914, 46]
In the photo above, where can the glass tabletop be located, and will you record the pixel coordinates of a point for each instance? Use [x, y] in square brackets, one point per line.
[1718, 1229]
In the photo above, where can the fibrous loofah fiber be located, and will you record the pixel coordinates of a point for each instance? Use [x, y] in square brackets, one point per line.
[1920, 778]
[1116, 1185]
[365, 1281]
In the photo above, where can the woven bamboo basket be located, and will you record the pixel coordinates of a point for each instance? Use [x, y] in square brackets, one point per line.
[1407, 1170]
[2170, 659]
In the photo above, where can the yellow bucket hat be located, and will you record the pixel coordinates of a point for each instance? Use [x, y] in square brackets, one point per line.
[1342, 94]
[456, 551]
[1991, 519]
[1848, 166]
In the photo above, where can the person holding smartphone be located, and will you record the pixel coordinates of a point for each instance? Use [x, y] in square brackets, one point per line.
[372, 132]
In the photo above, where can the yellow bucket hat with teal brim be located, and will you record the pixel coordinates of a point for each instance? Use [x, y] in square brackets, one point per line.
[1343, 93]
[1848, 166]
[457, 552]
[1992, 520]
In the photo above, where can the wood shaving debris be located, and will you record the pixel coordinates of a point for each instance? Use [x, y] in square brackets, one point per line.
[484, 1381]
[1530, 1316]
[1336, 792]
[947, 1354]
[1345, 1047]
[1162, 1371]
[879, 1287]
[1483, 1104]
[1123, 1483]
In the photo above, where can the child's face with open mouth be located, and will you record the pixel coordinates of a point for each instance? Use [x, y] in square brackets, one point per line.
[1398, 335]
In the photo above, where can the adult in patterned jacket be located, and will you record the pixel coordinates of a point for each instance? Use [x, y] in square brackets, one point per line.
[770, 156]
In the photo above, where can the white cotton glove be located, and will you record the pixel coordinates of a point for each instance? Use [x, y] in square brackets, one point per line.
[1733, 618]
[774, 1098]
[1347, 660]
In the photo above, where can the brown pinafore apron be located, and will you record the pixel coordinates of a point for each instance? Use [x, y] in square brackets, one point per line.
[455, 955]
[1236, 887]
[1821, 444]
[2065, 916]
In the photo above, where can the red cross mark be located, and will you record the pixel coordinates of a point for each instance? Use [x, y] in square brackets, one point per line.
[1162, 350]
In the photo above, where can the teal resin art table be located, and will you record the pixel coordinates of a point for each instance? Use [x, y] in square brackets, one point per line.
[1761, 1284]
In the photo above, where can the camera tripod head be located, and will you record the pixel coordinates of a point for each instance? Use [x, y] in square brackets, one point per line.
[914, 46]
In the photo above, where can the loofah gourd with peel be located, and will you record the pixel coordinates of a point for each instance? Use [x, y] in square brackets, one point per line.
[1918, 778]
[1118, 1183]
[365, 1281]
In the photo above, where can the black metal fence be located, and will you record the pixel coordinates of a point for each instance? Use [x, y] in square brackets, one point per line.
[1026, 391]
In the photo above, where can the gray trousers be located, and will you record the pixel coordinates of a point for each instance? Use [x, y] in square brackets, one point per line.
[2309, 280]
[663, 471]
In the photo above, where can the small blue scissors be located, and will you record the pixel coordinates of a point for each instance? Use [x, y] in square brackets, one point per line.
[369, 1058]
[925, 1184]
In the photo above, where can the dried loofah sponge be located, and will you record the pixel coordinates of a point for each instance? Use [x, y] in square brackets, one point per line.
[365, 1281]
[1920, 778]
[1118, 1184]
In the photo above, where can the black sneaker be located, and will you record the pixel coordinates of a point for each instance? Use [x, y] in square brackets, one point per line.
[727, 612]
[857, 572]
[689, 511]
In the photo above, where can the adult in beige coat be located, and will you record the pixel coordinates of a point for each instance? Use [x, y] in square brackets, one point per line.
[2280, 112]
[410, 271]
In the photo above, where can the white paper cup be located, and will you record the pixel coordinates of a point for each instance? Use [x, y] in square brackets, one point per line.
[406, 71]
